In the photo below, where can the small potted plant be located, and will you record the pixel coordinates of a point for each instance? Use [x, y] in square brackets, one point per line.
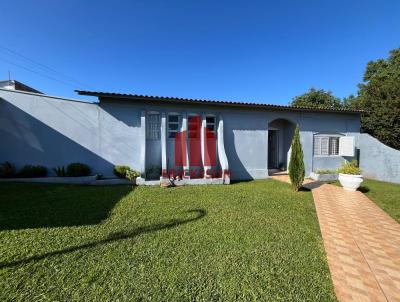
[350, 176]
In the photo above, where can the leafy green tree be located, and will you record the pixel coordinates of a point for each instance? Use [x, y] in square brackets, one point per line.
[317, 99]
[351, 102]
[379, 96]
[296, 163]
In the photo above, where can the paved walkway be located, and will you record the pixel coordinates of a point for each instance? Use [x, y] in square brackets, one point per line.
[362, 244]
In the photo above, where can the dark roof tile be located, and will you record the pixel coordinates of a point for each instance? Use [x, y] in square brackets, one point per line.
[213, 102]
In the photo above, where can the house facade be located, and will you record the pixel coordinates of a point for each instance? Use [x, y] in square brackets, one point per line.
[197, 140]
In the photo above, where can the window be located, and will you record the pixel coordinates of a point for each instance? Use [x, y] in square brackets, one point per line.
[153, 130]
[326, 145]
[211, 126]
[173, 125]
[334, 145]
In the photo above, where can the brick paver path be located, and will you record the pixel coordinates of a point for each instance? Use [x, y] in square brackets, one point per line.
[362, 244]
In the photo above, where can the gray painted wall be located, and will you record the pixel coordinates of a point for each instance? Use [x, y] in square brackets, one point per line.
[53, 131]
[379, 161]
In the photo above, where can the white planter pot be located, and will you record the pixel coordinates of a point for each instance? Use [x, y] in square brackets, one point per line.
[350, 182]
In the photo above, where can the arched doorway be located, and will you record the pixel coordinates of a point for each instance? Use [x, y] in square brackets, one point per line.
[280, 135]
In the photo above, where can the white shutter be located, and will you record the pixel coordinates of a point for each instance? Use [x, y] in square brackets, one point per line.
[324, 145]
[317, 145]
[346, 146]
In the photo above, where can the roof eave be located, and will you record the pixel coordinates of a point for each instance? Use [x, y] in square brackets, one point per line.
[103, 95]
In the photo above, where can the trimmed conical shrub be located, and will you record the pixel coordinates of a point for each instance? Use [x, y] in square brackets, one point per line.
[296, 164]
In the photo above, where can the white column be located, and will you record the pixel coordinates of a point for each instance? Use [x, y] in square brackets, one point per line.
[184, 131]
[143, 144]
[164, 168]
[203, 144]
[221, 152]
[267, 148]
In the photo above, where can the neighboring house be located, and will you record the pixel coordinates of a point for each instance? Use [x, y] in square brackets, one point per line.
[15, 85]
[164, 136]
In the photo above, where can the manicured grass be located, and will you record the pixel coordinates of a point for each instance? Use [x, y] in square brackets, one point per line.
[384, 194]
[244, 242]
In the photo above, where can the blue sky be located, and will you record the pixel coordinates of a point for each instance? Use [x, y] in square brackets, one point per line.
[259, 51]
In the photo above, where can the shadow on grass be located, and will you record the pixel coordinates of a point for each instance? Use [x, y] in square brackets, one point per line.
[200, 213]
[238, 181]
[312, 185]
[30, 206]
[363, 189]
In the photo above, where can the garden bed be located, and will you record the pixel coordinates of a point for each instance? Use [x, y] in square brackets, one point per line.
[54, 179]
[324, 176]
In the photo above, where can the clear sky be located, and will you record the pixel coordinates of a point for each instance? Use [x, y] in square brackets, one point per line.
[262, 51]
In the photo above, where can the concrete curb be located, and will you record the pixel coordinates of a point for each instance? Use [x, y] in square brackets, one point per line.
[83, 180]
[54, 180]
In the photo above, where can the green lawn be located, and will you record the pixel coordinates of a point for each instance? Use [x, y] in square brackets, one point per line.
[385, 195]
[244, 242]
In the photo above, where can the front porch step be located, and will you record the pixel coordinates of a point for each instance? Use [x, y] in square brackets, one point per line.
[193, 181]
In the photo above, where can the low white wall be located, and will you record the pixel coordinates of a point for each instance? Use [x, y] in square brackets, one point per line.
[379, 161]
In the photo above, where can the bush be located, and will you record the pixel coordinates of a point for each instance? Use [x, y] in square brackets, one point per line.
[60, 171]
[120, 171]
[126, 172]
[296, 164]
[29, 171]
[78, 169]
[132, 174]
[350, 168]
[7, 170]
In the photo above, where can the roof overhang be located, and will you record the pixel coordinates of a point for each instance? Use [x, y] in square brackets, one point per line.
[176, 100]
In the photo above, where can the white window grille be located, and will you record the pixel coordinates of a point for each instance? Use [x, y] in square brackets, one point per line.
[153, 130]
[173, 125]
[334, 146]
[326, 145]
[210, 125]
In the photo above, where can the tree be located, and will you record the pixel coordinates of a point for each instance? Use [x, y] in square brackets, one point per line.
[317, 99]
[379, 96]
[296, 163]
[350, 102]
